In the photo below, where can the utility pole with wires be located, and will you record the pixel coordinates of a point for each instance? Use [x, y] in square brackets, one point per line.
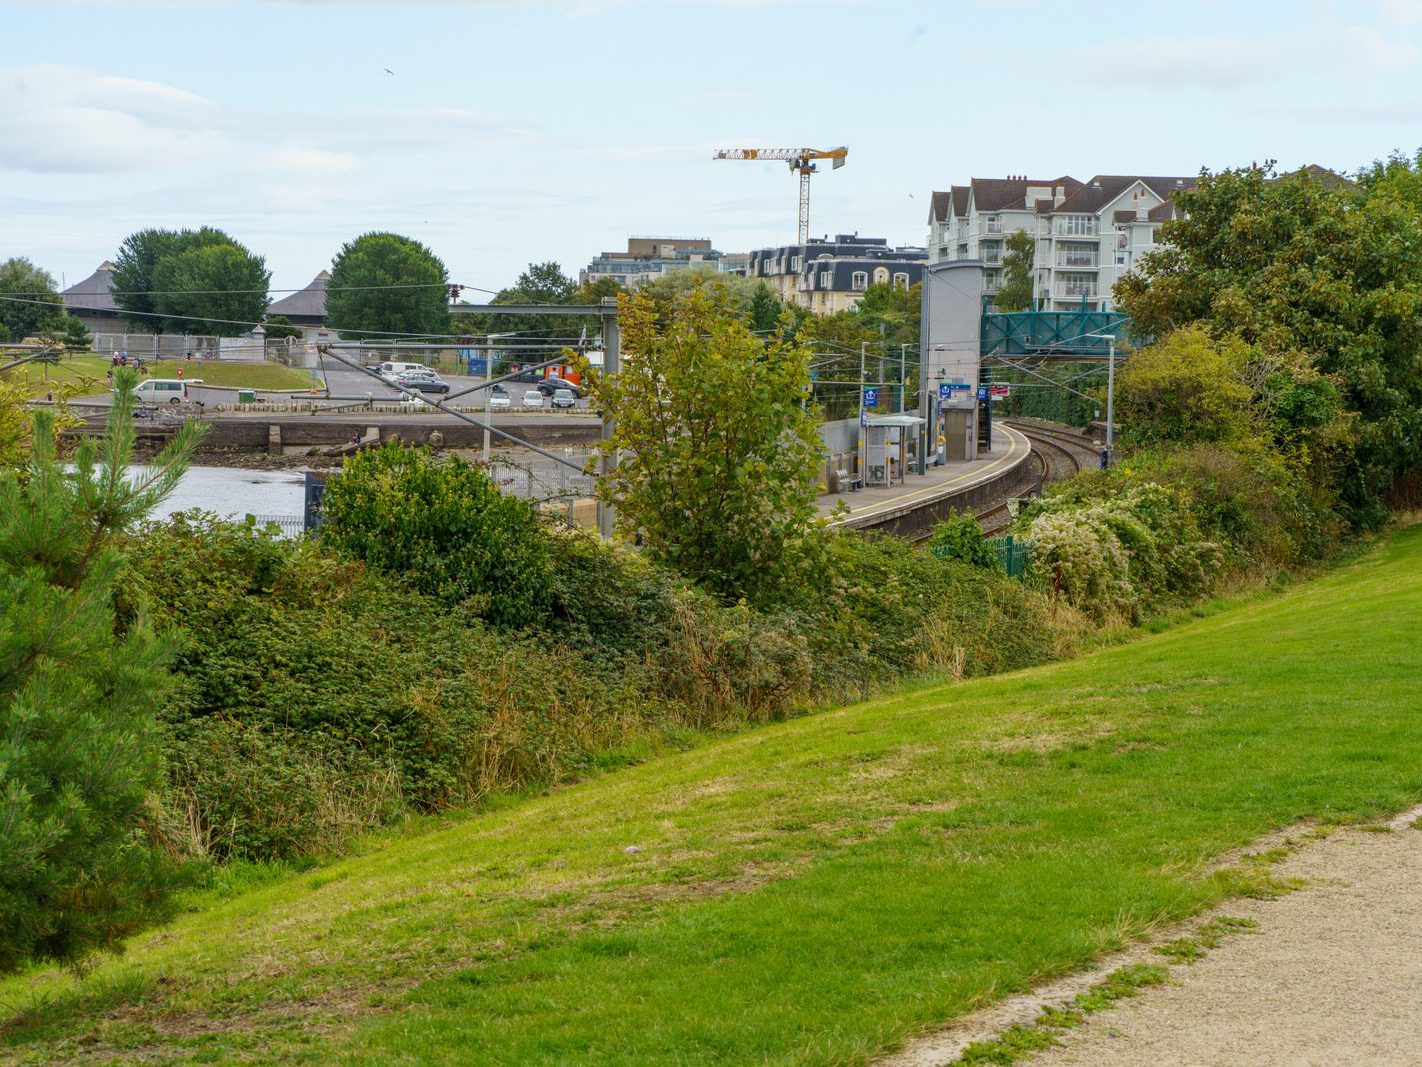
[861, 457]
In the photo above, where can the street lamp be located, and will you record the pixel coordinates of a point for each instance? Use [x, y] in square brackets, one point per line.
[1110, 338]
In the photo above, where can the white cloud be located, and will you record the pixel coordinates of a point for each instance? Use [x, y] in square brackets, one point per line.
[671, 153]
[1371, 52]
[1203, 62]
[301, 162]
[1360, 112]
[63, 119]
[1402, 12]
[408, 130]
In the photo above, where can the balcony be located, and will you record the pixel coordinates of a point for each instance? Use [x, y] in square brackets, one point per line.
[992, 225]
[992, 256]
[1078, 259]
[1076, 290]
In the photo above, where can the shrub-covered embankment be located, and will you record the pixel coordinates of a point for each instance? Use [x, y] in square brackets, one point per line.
[318, 697]
[811, 892]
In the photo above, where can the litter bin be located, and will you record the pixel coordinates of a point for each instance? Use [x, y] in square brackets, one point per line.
[246, 396]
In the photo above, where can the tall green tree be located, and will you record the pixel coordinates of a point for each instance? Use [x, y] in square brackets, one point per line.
[216, 288]
[717, 446]
[763, 315]
[172, 281]
[1018, 272]
[19, 318]
[1324, 275]
[81, 683]
[384, 283]
[541, 283]
[676, 284]
[1188, 388]
[594, 291]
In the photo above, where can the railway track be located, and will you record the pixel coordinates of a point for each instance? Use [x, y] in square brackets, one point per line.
[1058, 454]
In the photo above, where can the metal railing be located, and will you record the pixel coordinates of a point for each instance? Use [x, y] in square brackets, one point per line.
[1016, 555]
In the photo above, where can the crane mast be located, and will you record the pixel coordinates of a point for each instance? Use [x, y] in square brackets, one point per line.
[801, 161]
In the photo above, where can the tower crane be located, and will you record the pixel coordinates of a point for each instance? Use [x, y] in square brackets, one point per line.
[802, 161]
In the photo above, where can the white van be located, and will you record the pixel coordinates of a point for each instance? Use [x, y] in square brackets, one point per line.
[162, 391]
[391, 371]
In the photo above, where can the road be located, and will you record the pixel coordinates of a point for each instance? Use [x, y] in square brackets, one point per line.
[351, 386]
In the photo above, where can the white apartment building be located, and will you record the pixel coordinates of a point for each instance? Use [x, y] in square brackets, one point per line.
[1088, 234]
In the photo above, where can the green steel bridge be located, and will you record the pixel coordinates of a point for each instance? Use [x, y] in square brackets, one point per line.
[1067, 335]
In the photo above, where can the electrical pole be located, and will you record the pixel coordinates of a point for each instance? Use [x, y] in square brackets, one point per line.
[1110, 339]
[862, 457]
[1111, 401]
[903, 377]
[610, 343]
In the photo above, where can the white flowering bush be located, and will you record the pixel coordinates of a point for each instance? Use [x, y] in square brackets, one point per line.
[1078, 554]
[1117, 554]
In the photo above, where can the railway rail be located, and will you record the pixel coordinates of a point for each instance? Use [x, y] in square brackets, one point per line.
[1057, 453]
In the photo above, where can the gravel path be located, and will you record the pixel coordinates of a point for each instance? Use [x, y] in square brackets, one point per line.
[1332, 975]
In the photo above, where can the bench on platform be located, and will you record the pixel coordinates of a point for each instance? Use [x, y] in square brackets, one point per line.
[847, 482]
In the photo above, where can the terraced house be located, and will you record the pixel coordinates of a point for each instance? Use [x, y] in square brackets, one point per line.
[1087, 234]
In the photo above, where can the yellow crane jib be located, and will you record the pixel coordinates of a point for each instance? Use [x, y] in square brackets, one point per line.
[802, 161]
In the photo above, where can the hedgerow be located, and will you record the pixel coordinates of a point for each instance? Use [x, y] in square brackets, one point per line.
[317, 698]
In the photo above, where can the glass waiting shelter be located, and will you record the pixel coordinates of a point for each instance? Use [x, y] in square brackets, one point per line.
[887, 452]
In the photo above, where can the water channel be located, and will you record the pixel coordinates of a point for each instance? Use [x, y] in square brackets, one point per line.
[234, 493]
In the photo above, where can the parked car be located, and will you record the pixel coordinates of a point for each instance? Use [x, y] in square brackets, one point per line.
[391, 371]
[549, 386]
[424, 382]
[533, 399]
[564, 398]
[499, 397]
[162, 391]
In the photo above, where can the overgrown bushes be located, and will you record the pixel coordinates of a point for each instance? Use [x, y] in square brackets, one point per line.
[318, 698]
[443, 529]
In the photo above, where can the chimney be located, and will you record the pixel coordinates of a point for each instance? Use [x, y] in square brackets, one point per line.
[1058, 195]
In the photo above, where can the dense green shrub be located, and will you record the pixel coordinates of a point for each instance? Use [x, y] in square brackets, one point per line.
[247, 790]
[608, 597]
[733, 664]
[335, 699]
[1246, 498]
[1079, 554]
[443, 528]
[318, 698]
[960, 537]
[883, 609]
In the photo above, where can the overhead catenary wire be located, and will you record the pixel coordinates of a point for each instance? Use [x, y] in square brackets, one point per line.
[249, 324]
[248, 292]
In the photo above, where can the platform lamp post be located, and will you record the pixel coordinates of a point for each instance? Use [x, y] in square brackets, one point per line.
[1110, 338]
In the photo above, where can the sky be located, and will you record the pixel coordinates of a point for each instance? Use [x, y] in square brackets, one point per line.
[501, 133]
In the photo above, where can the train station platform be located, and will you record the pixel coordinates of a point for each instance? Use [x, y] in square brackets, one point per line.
[912, 508]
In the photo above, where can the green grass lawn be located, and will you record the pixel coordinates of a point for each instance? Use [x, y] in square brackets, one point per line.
[811, 892]
[88, 374]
